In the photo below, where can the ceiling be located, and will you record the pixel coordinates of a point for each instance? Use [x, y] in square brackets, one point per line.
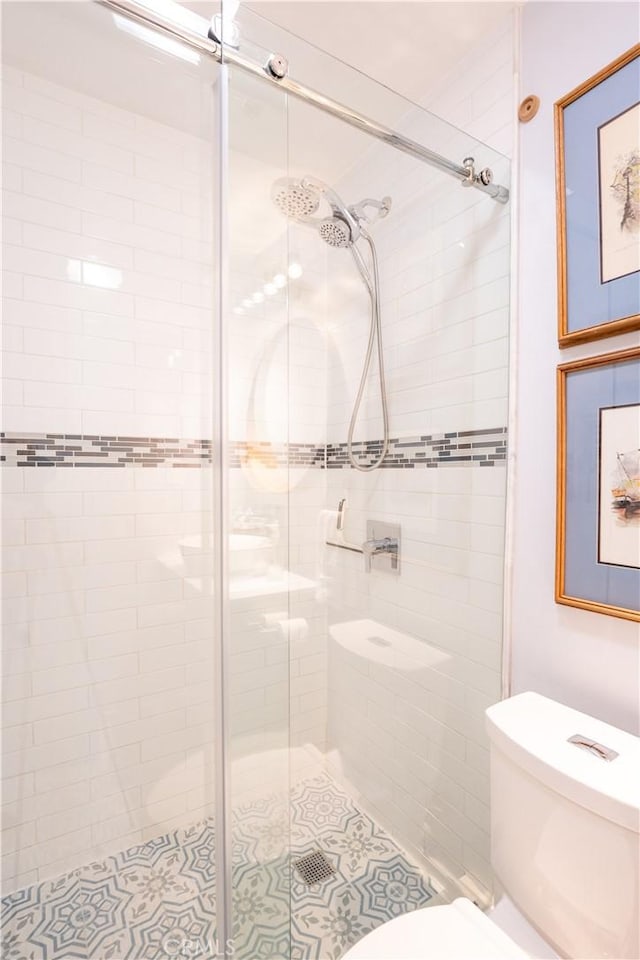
[407, 46]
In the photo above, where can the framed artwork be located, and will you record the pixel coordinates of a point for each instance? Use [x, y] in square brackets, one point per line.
[598, 520]
[598, 204]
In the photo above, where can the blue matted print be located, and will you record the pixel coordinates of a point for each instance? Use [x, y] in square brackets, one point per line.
[587, 388]
[590, 298]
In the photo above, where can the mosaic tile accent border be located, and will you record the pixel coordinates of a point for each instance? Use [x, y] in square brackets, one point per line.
[84, 450]
[483, 448]
[156, 901]
[275, 455]
[463, 448]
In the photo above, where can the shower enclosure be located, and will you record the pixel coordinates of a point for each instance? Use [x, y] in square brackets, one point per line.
[244, 680]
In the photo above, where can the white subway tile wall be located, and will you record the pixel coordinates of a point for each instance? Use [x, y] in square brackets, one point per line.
[108, 314]
[108, 600]
[108, 637]
[414, 660]
[107, 613]
[478, 95]
[108, 674]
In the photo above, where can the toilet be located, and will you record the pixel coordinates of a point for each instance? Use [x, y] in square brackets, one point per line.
[565, 847]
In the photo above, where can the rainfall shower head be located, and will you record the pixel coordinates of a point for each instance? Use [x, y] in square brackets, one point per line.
[297, 199]
[300, 199]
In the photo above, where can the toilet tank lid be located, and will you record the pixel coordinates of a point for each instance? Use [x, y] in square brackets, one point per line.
[534, 732]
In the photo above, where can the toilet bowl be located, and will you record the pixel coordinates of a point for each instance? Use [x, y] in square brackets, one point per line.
[565, 846]
[457, 931]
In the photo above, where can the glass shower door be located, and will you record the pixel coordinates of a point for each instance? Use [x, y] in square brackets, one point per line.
[258, 578]
[389, 669]
[342, 735]
[108, 635]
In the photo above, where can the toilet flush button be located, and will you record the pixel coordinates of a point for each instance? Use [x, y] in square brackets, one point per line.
[597, 749]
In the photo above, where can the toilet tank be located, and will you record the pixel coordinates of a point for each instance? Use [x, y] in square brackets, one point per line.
[565, 825]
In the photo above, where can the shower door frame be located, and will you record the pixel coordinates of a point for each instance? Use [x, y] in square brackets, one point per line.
[220, 544]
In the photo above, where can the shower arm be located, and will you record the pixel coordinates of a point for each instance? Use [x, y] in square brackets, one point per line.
[464, 173]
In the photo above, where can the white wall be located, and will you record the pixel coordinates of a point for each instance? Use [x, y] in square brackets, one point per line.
[589, 661]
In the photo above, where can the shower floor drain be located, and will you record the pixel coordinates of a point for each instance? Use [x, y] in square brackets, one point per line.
[314, 867]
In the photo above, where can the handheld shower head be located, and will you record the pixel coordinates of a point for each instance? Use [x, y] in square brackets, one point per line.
[296, 199]
[300, 200]
[335, 231]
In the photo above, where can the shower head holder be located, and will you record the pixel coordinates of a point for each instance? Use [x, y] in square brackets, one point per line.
[380, 207]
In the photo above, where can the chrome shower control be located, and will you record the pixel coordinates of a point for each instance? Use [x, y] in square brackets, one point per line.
[597, 749]
[372, 548]
[381, 549]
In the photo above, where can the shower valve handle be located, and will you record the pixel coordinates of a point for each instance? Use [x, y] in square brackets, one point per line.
[373, 548]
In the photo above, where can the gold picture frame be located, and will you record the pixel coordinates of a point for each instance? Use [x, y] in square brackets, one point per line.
[579, 441]
[583, 144]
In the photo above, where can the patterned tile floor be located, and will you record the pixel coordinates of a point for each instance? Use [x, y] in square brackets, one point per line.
[157, 901]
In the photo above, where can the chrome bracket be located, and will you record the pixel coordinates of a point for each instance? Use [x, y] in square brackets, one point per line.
[224, 34]
[277, 66]
[469, 164]
[473, 179]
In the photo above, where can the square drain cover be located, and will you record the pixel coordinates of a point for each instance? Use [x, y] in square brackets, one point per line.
[314, 867]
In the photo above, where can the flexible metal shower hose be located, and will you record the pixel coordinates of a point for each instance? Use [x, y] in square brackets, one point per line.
[375, 333]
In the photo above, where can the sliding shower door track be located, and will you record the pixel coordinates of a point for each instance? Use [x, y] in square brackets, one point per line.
[465, 173]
